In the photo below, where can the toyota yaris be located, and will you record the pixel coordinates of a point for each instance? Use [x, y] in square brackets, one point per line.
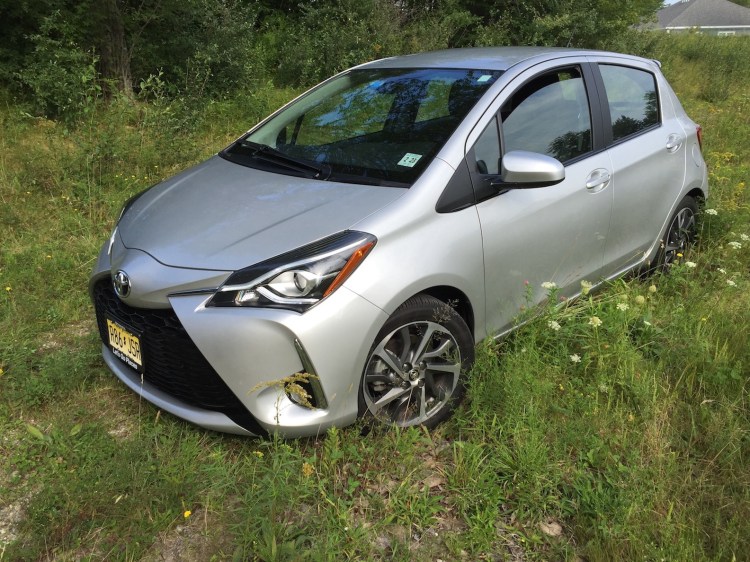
[343, 257]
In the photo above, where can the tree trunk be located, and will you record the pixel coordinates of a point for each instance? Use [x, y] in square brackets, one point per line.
[115, 57]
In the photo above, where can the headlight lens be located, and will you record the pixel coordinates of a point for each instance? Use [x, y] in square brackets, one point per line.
[298, 279]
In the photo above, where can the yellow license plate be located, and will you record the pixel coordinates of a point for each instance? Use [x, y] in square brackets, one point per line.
[125, 345]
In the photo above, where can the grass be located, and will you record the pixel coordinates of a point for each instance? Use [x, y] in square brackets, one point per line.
[620, 440]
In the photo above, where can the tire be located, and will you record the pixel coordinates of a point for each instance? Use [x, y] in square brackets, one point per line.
[679, 236]
[416, 368]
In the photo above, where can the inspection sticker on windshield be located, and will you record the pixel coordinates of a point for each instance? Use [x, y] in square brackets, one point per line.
[409, 160]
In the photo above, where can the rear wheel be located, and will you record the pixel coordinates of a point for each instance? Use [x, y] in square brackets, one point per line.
[415, 371]
[680, 234]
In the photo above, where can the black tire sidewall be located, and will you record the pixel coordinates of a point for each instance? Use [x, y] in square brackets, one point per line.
[687, 202]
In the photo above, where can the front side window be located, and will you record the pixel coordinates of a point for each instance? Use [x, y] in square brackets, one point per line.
[549, 115]
[632, 99]
[373, 126]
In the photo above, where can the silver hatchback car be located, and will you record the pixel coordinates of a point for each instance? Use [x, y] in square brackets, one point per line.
[343, 257]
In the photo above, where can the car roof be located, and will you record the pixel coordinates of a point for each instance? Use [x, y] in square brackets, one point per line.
[488, 58]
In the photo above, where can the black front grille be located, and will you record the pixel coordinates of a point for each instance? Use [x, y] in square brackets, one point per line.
[172, 362]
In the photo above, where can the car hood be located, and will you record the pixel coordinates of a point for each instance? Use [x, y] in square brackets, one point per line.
[224, 216]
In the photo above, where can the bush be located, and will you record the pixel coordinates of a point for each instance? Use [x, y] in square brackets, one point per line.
[61, 76]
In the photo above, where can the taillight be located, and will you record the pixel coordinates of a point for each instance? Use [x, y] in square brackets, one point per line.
[699, 133]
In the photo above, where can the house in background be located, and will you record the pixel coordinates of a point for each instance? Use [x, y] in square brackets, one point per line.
[712, 17]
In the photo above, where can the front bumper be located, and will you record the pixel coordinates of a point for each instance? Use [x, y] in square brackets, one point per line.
[227, 371]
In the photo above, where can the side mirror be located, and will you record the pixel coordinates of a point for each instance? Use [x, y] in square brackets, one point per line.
[521, 169]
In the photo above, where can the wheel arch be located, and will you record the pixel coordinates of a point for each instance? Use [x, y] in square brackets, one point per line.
[456, 299]
[699, 195]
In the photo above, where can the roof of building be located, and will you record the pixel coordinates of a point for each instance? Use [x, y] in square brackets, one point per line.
[703, 13]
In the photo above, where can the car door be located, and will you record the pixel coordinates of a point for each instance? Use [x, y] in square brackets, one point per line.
[545, 234]
[647, 148]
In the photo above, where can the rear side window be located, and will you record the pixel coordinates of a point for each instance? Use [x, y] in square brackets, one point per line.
[632, 98]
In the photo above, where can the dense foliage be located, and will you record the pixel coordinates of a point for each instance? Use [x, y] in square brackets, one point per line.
[59, 54]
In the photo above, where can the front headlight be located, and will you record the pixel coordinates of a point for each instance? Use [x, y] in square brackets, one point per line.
[298, 279]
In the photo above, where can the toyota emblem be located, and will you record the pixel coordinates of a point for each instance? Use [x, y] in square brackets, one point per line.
[121, 283]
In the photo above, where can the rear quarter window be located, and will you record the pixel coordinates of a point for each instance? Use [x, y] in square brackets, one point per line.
[632, 97]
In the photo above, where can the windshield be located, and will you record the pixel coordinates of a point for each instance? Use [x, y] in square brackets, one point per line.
[372, 126]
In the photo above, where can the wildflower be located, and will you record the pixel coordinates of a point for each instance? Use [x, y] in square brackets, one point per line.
[704, 319]
[722, 271]
[713, 212]
[307, 469]
[1, 372]
[258, 454]
[646, 323]
[549, 285]
[640, 299]
[652, 289]
[553, 325]
[690, 264]
[631, 418]
[679, 254]
[745, 237]
[735, 245]
[603, 388]
[187, 513]
[595, 321]
[731, 283]
[575, 358]
[622, 306]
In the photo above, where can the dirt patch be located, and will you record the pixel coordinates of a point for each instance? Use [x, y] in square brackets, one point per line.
[11, 516]
[52, 341]
[200, 537]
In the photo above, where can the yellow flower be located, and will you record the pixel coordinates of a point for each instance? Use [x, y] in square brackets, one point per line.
[631, 418]
[307, 469]
[258, 454]
[8, 288]
[187, 513]
[1, 372]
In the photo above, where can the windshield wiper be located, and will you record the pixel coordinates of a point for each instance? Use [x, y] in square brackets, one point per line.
[270, 154]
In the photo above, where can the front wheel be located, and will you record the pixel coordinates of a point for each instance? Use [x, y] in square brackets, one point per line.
[680, 234]
[414, 373]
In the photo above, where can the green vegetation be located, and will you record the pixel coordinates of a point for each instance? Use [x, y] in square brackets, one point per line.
[615, 428]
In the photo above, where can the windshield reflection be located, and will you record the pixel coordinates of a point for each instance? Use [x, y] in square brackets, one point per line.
[378, 126]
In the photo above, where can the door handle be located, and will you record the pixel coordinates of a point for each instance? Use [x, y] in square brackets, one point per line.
[598, 180]
[674, 142]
